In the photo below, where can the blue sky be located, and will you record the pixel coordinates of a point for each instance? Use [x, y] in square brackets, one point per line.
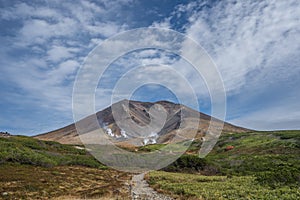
[255, 45]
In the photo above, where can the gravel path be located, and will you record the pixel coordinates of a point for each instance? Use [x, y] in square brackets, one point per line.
[140, 190]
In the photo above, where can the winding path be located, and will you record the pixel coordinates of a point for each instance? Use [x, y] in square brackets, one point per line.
[140, 190]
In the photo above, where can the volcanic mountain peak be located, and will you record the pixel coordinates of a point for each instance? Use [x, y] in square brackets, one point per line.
[135, 116]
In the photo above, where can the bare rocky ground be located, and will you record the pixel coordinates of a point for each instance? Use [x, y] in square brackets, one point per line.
[140, 190]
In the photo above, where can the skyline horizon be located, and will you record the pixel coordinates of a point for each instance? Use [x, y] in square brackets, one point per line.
[254, 46]
[154, 101]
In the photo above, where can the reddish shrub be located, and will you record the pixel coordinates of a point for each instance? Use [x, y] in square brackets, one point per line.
[229, 148]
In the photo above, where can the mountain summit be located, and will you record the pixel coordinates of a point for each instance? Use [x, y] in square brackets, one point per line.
[141, 115]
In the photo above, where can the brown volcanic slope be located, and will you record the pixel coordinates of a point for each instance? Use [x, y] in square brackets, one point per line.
[139, 113]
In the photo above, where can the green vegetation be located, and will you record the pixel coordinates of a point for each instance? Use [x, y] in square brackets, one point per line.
[278, 177]
[26, 150]
[176, 147]
[262, 154]
[191, 186]
[258, 165]
[35, 169]
[187, 163]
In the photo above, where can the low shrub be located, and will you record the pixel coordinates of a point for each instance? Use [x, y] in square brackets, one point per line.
[284, 176]
[188, 163]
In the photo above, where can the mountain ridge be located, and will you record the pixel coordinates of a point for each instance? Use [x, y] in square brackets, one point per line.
[139, 113]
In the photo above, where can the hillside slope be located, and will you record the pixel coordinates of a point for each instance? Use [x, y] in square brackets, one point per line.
[258, 165]
[34, 169]
[139, 113]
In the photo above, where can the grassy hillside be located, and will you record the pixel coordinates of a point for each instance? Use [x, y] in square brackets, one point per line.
[26, 150]
[265, 154]
[256, 165]
[34, 169]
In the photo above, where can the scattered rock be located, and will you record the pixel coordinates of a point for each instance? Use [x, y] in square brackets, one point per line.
[4, 193]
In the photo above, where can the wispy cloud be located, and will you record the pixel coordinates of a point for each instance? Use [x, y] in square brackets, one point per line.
[246, 36]
[44, 46]
[255, 45]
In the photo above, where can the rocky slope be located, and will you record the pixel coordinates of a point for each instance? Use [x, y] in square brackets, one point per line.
[140, 114]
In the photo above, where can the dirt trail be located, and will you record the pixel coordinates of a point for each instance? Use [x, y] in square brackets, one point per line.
[140, 190]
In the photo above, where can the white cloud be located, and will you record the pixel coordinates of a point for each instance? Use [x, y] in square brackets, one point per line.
[245, 36]
[251, 42]
[26, 11]
[58, 53]
[63, 71]
[104, 29]
[162, 24]
[58, 35]
[255, 45]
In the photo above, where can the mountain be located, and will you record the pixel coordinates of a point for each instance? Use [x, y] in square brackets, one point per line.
[141, 114]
